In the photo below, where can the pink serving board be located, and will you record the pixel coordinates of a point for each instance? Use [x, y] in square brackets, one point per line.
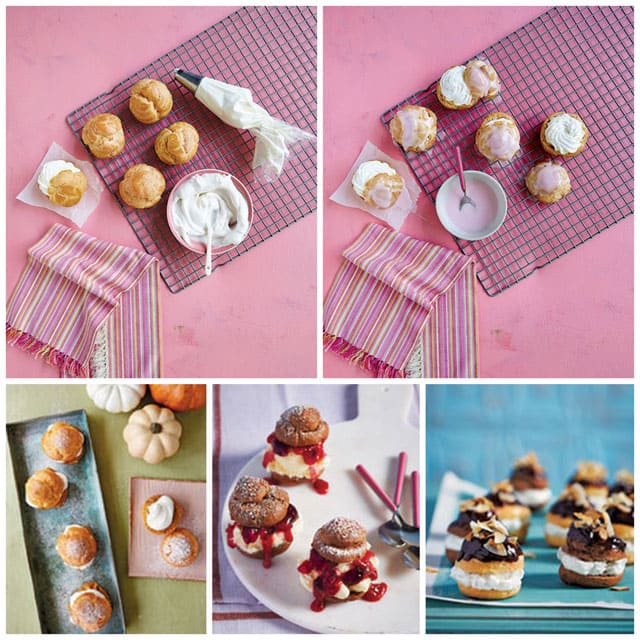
[145, 560]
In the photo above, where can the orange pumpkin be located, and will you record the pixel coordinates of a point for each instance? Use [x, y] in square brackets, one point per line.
[179, 397]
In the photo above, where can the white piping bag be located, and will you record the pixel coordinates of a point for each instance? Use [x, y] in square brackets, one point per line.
[235, 107]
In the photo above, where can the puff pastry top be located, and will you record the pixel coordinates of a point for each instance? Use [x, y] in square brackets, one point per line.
[104, 136]
[142, 186]
[177, 144]
[150, 100]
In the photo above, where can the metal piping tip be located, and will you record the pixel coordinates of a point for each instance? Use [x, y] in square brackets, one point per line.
[188, 79]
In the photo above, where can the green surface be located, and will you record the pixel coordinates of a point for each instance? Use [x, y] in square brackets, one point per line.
[150, 605]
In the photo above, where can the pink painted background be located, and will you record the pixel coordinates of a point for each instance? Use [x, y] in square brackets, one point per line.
[573, 318]
[255, 317]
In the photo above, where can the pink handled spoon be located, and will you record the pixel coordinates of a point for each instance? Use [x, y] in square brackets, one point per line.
[465, 198]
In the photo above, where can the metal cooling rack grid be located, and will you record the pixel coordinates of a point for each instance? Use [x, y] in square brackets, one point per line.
[574, 59]
[271, 50]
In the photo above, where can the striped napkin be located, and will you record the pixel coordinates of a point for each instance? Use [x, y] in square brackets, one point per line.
[88, 307]
[402, 308]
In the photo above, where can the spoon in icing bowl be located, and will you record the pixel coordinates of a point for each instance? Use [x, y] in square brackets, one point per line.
[465, 198]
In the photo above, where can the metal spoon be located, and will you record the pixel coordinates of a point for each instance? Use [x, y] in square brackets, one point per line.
[465, 198]
[207, 262]
[411, 557]
[388, 530]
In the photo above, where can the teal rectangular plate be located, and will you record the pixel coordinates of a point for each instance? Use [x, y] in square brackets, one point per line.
[541, 584]
[53, 581]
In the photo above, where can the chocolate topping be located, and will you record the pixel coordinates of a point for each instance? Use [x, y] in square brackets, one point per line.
[489, 542]
[502, 494]
[623, 483]
[528, 473]
[620, 508]
[572, 500]
[478, 509]
[591, 536]
[590, 474]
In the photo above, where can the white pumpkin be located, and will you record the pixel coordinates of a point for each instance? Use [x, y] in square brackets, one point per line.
[116, 398]
[152, 433]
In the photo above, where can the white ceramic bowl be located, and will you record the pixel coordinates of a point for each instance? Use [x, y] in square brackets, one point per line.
[470, 223]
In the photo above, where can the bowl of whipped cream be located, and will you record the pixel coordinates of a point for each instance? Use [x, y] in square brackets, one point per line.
[209, 205]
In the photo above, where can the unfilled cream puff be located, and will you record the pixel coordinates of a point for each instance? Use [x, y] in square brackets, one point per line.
[414, 128]
[104, 136]
[90, 607]
[177, 144]
[548, 181]
[46, 489]
[498, 137]
[63, 442]
[77, 546]
[62, 182]
[179, 548]
[150, 100]
[142, 186]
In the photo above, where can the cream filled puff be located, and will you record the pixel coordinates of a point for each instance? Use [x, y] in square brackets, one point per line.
[377, 183]
[593, 477]
[623, 482]
[63, 442]
[263, 521]
[530, 483]
[461, 86]
[46, 489]
[62, 182]
[490, 565]
[562, 513]
[295, 449]
[564, 134]
[179, 548]
[90, 607]
[77, 546]
[514, 515]
[593, 556]
[620, 508]
[548, 181]
[474, 510]
[498, 137]
[341, 565]
[161, 514]
[414, 128]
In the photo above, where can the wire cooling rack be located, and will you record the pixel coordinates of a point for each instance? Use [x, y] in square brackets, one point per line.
[574, 59]
[272, 51]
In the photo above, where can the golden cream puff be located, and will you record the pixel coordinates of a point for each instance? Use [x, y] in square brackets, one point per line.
[77, 546]
[104, 136]
[46, 489]
[377, 183]
[179, 548]
[62, 182]
[177, 144]
[414, 128]
[142, 186]
[548, 181]
[161, 514]
[150, 100]
[90, 607]
[498, 137]
[63, 442]
[564, 134]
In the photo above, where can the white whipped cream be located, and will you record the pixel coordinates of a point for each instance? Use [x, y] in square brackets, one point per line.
[256, 546]
[503, 581]
[533, 497]
[555, 530]
[453, 87]
[564, 133]
[64, 480]
[597, 501]
[453, 542]
[366, 171]
[294, 466]
[78, 594]
[593, 567]
[210, 200]
[512, 524]
[50, 170]
[160, 513]
[307, 580]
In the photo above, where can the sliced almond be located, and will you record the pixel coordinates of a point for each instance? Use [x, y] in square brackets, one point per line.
[619, 588]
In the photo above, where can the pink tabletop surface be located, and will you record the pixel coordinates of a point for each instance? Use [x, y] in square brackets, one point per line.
[574, 317]
[254, 317]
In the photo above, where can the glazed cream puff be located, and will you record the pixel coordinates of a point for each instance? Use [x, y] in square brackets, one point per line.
[77, 546]
[377, 183]
[179, 548]
[90, 607]
[563, 134]
[620, 508]
[63, 442]
[461, 86]
[514, 515]
[177, 144]
[62, 182]
[263, 521]
[593, 477]
[474, 510]
[548, 181]
[482, 80]
[623, 482]
[104, 136]
[46, 489]
[161, 514]
[490, 565]
[562, 513]
[592, 556]
[150, 100]
[341, 565]
[529, 480]
[295, 449]
[498, 137]
[142, 186]
[414, 128]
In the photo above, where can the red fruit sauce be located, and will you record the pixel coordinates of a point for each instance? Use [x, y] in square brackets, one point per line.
[266, 534]
[321, 486]
[328, 582]
[311, 454]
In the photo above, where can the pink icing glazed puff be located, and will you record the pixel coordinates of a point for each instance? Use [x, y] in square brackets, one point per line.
[482, 80]
[414, 128]
[498, 137]
[548, 181]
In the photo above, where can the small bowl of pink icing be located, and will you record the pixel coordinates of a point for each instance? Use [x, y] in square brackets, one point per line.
[468, 222]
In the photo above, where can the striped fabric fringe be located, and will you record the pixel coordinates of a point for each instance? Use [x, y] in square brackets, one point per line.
[88, 307]
[402, 308]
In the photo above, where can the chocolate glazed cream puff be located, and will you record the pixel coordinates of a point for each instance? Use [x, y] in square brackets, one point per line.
[341, 565]
[593, 556]
[490, 565]
[593, 477]
[562, 513]
[620, 508]
[295, 450]
[530, 483]
[478, 510]
[511, 513]
[263, 520]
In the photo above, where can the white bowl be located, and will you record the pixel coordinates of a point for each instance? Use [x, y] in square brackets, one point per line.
[472, 223]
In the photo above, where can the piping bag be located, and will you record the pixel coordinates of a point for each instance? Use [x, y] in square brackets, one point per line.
[235, 107]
